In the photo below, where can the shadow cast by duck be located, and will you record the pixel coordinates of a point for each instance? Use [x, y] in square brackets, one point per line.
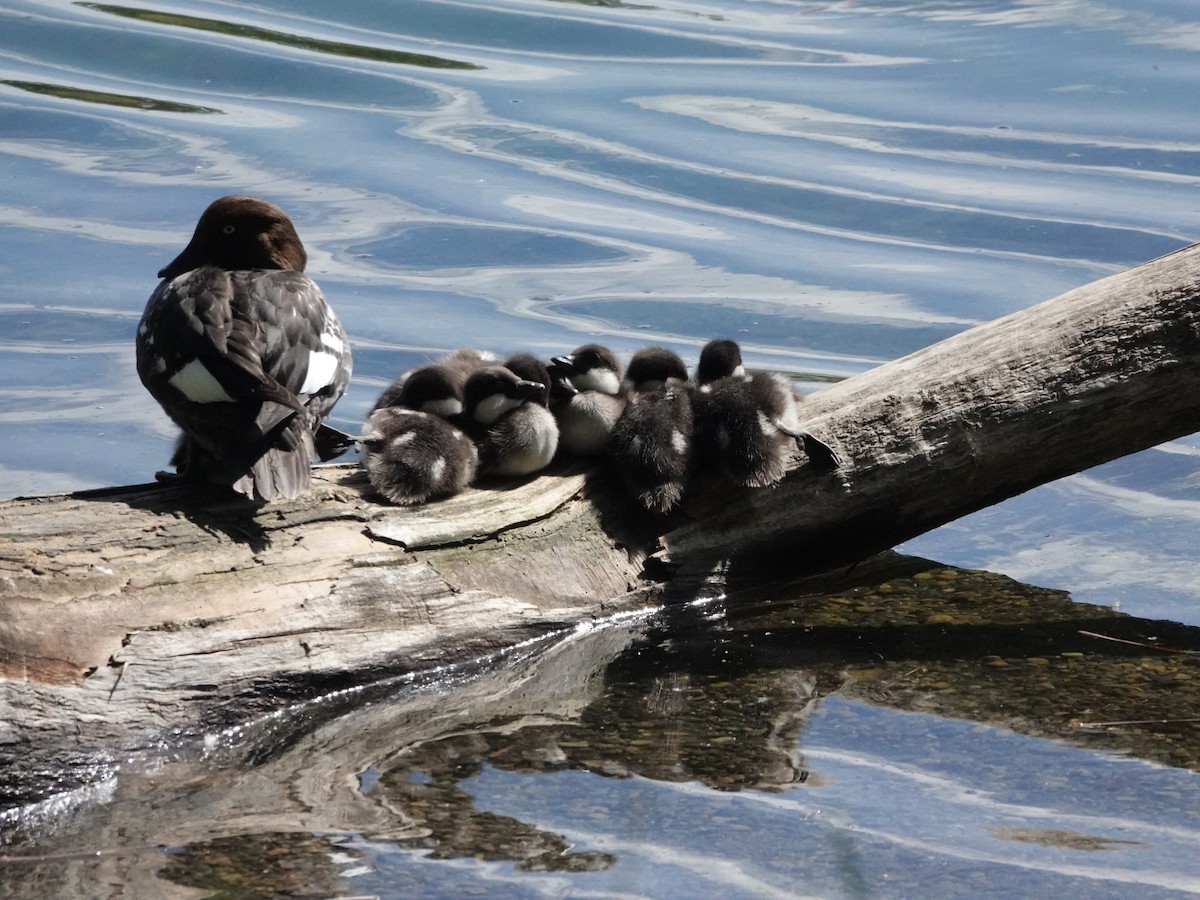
[215, 509]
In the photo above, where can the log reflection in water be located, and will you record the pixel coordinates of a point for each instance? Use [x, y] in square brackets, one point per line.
[704, 693]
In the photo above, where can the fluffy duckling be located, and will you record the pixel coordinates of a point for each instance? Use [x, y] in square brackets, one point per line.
[412, 457]
[436, 388]
[507, 416]
[651, 443]
[241, 350]
[749, 423]
[591, 398]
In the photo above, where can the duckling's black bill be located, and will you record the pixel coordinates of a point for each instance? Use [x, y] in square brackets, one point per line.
[523, 389]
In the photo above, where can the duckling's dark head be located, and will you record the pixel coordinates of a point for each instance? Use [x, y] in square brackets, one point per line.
[528, 367]
[239, 232]
[652, 367]
[719, 359]
[561, 387]
[494, 390]
[435, 389]
[592, 367]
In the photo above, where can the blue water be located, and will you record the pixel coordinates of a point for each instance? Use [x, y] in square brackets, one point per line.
[834, 184]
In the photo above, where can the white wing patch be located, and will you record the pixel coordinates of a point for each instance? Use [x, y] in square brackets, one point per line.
[322, 367]
[333, 342]
[198, 384]
[437, 469]
[547, 435]
[766, 426]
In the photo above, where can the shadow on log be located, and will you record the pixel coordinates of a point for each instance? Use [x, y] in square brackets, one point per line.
[136, 613]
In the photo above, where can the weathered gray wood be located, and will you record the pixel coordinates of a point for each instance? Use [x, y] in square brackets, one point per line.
[127, 615]
[130, 613]
[1103, 371]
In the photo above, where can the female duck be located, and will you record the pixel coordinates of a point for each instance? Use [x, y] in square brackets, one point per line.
[241, 350]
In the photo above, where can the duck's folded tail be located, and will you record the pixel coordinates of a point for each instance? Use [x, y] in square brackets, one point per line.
[284, 471]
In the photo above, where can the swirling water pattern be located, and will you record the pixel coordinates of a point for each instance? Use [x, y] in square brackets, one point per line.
[834, 183]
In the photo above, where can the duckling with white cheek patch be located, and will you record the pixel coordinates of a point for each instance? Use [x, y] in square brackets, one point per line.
[592, 400]
[436, 388]
[241, 350]
[412, 457]
[748, 423]
[651, 443]
[507, 416]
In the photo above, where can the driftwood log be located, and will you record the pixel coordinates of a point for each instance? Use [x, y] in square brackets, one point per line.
[134, 614]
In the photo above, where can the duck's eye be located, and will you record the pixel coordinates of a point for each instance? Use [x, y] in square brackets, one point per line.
[228, 229]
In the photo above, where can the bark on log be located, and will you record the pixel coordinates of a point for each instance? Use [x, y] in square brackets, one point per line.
[137, 612]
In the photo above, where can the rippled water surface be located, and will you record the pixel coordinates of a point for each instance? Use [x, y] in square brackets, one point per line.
[834, 184]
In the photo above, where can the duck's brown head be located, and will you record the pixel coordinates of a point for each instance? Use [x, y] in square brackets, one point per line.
[239, 232]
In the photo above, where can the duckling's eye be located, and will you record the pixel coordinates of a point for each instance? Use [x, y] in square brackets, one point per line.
[228, 229]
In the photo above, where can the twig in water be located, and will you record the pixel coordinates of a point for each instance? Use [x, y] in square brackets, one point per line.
[1117, 640]
[1100, 726]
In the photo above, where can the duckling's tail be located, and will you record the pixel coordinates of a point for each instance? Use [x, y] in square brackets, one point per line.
[820, 454]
